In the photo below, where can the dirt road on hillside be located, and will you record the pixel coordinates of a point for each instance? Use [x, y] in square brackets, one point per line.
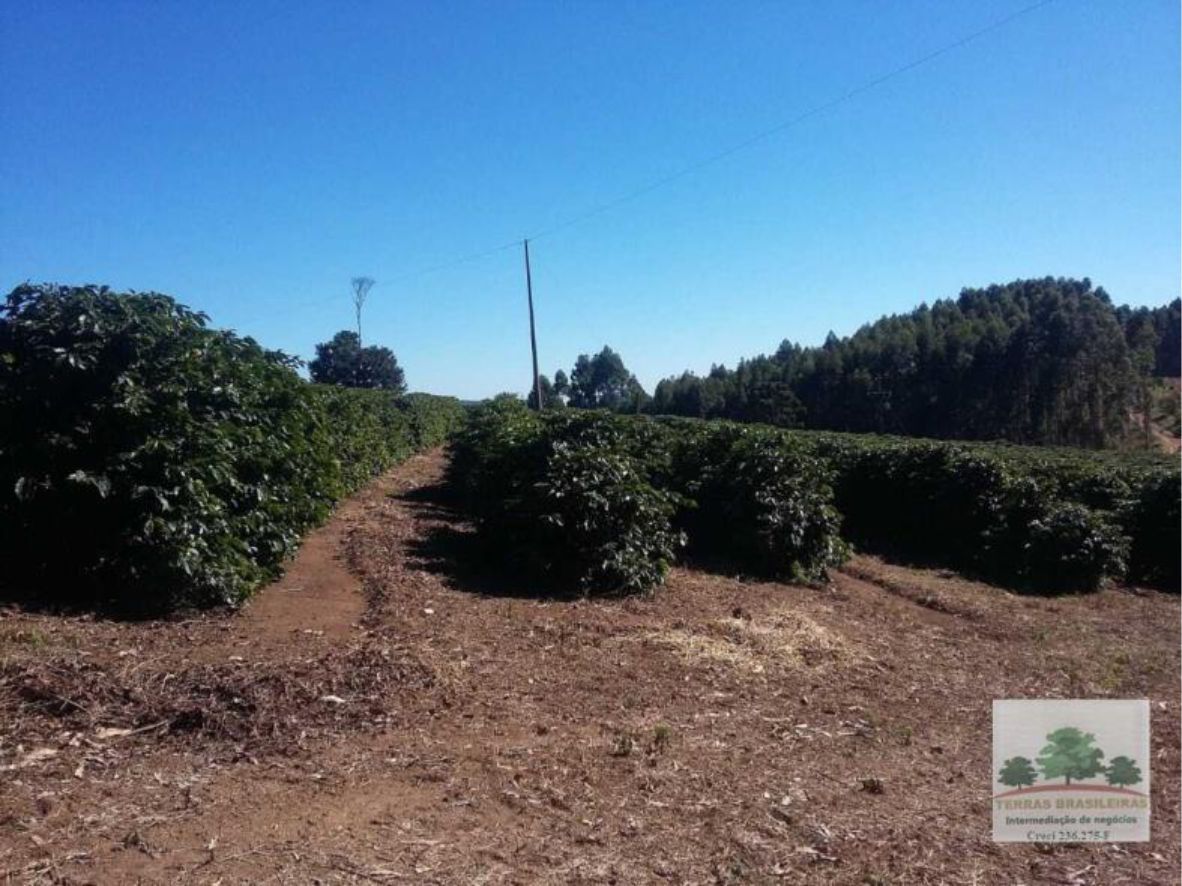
[389, 712]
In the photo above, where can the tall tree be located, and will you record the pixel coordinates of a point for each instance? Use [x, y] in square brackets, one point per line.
[551, 395]
[342, 361]
[1168, 323]
[603, 381]
[1141, 338]
[1033, 361]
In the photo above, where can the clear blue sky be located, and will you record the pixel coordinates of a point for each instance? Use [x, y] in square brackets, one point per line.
[249, 158]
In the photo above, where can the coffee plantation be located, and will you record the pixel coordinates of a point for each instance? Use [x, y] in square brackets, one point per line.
[789, 504]
[148, 462]
[603, 503]
[566, 500]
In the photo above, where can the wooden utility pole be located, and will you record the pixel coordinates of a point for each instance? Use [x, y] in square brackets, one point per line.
[533, 339]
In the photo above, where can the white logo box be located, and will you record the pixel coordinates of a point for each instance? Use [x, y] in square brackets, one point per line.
[1070, 771]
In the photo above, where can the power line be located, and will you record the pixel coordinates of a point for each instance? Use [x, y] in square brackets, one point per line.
[654, 185]
[757, 138]
[475, 256]
[465, 259]
[795, 121]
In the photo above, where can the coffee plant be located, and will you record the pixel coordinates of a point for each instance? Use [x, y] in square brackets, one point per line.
[765, 500]
[564, 500]
[148, 462]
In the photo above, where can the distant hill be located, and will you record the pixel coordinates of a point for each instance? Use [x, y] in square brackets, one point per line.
[1045, 361]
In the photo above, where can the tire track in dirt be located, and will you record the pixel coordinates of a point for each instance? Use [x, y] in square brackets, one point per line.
[867, 571]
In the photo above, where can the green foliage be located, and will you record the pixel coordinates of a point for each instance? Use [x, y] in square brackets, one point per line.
[1047, 361]
[564, 499]
[1151, 520]
[760, 501]
[1035, 519]
[915, 499]
[1041, 520]
[614, 528]
[602, 381]
[1017, 772]
[780, 501]
[498, 442]
[432, 418]
[1122, 772]
[1158, 331]
[1070, 754]
[551, 393]
[592, 497]
[148, 462]
[1071, 548]
[342, 361]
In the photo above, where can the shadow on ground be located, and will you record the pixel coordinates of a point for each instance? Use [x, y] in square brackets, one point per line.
[451, 548]
[79, 596]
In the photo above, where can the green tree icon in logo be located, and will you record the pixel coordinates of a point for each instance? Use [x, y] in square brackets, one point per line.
[1070, 754]
[1017, 772]
[1122, 772]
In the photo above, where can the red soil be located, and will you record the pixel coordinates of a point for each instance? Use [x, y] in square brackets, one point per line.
[419, 721]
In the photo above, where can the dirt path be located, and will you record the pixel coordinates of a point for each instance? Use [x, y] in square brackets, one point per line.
[319, 598]
[719, 732]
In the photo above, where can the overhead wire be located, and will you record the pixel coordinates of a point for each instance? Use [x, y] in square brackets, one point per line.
[795, 121]
[758, 137]
[718, 156]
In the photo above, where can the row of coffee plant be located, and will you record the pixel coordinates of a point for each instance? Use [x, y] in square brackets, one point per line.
[599, 503]
[1036, 519]
[568, 502]
[1034, 522]
[605, 502]
[148, 462]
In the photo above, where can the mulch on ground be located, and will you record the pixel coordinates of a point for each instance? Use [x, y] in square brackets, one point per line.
[441, 724]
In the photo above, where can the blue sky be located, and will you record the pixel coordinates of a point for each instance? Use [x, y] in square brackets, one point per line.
[251, 158]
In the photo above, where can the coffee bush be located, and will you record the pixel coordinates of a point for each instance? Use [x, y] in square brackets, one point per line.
[148, 462]
[563, 500]
[1070, 548]
[1151, 521]
[767, 506]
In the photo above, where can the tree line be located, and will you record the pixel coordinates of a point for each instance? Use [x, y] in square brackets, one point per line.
[1044, 361]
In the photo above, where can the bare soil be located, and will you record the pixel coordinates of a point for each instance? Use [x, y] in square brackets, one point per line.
[390, 712]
